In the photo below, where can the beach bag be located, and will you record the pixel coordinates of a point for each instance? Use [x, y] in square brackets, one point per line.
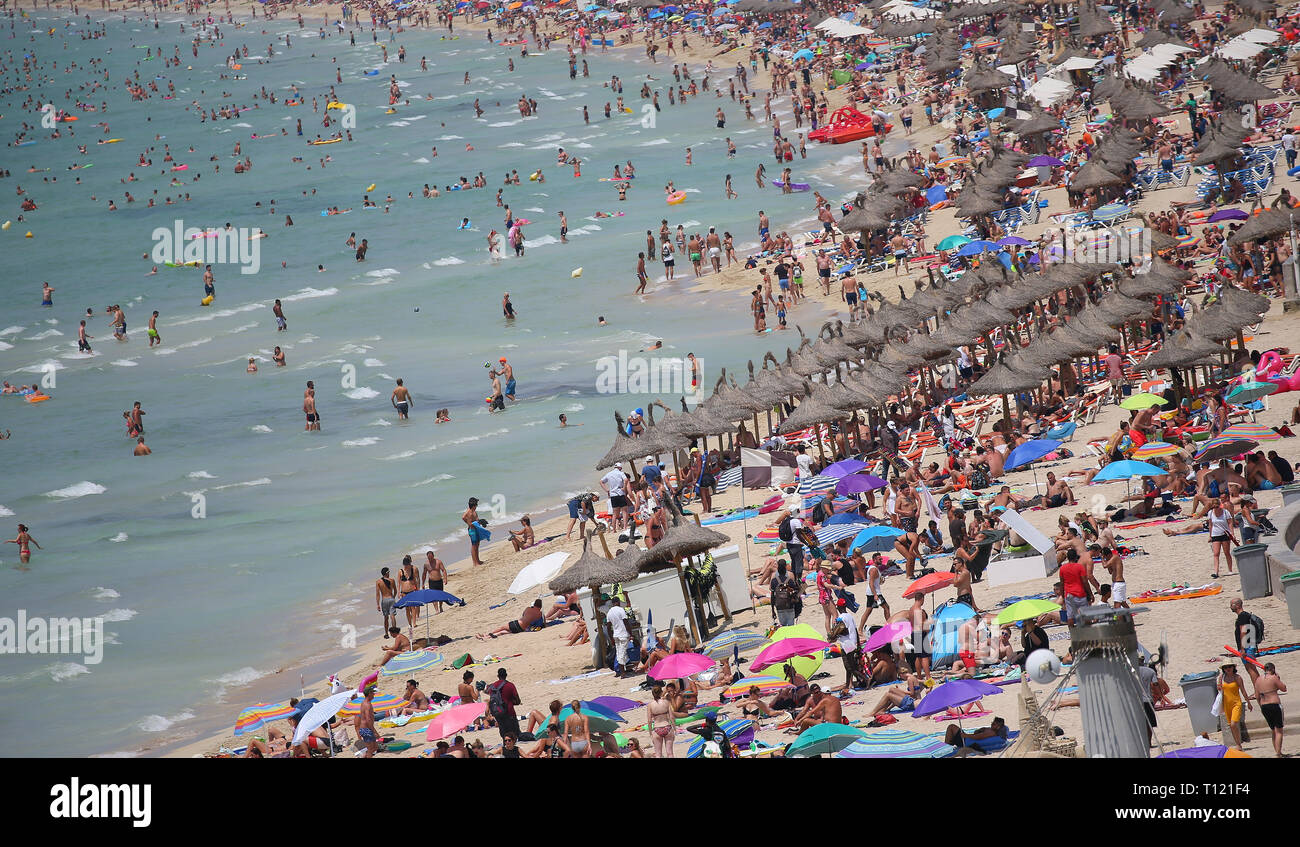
[496, 702]
[785, 595]
[1217, 708]
[784, 532]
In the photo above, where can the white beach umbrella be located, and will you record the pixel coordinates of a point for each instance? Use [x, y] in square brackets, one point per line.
[321, 713]
[538, 572]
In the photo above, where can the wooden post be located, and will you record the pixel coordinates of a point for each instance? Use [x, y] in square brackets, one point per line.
[686, 595]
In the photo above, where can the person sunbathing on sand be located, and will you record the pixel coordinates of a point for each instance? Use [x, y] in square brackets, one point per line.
[523, 537]
[565, 605]
[820, 708]
[754, 705]
[401, 644]
[577, 635]
[905, 697]
[532, 616]
[274, 745]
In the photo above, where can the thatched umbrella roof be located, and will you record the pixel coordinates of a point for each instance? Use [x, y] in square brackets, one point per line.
[904, 29]
[980, 77]
[1214, 324]
[682, 539]
[1155, 36]
[894, 180]
[761, 390]
[1093, 175]
[1180, 351]
[1001, 379]
[1236, 300]
[592, 569]
[1267, 224]
[1144, 286]
[1094, 22]
[1118, 309]
[815, 408]
[1136, 104]
[626, 447]
[1038, 121]
[879, 215]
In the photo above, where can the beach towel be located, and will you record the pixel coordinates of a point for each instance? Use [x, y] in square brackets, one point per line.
[1179, 593]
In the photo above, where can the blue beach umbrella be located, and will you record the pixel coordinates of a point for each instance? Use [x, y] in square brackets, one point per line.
[976, 247]
[740, 731]
[824, 738]
[1014, 241]
[953, 241]
[875, 539]
[936, 194]
[728, 642]
[1030, 451]
[428, 595]
[1127, 469]
[412, 661]
[994, 114]
[805, 53]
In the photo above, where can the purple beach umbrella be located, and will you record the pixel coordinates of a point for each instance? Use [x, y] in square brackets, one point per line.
[859, 482]
[1227, 215]
[958, 692]
[1044, 162]
[843, 468]
[1014, 241]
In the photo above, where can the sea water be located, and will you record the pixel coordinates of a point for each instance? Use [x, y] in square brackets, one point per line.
[244, 545]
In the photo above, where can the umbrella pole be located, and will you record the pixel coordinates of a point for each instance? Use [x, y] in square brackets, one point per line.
[686, 596]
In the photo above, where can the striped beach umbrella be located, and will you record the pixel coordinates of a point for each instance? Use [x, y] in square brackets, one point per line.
[1188, 240]
[736, 639]
[740, 731]
[255, 717]
[412, 661]
[897, 744]
[766, 685]
[382, 703]
[1223, 448]
[952, 160]
[1253, 431]
[1154, 449]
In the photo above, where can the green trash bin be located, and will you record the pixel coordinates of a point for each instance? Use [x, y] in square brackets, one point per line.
[1252, 562]
[1291, 591]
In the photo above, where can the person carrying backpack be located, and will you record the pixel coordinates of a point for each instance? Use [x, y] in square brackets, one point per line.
[502, 699]
[1249, 630]
[787, 530]
[785, 595]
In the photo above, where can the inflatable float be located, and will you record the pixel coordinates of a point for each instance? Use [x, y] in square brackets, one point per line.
[24, 143]
[36, 398]
[336, 105]
[107, 140]
[370, 188]
[676, 198]
[181, 168]
[325, 141]
[207, 301]
[794, 186]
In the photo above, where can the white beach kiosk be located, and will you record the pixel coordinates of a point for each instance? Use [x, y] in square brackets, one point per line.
[1035, 560]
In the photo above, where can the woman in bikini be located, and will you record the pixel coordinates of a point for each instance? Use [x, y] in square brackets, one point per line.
[754, 705]
[23, 540]
[275, 744]
[661, 719]
[577, 731]
[408, 580]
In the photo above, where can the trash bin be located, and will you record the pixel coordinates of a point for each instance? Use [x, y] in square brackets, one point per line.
[1252, 562]
[1291, 591]
[1199, 690]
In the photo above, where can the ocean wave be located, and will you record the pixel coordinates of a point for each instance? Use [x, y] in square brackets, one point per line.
[199, 475]
[361, 392]
[575, 407]
[125, 363]
[157, 723]
[11, 330]
[119, 615]
[448, 260]
[654, 143]
[221, 313]
[49, 333]
[450, 138]
[541, 242]
[4, 345]
[421, 161]
[442, 477]
[362, 442]
[384, 272]
[261, 428]
[44, 367]
[310, 293]
[119, 538]
[405, 454]
[373, 363]
[555, 367]
[79, 489]
[66, 670]
[380, 422]
[243, 676]
[261, 481]
[102, 593]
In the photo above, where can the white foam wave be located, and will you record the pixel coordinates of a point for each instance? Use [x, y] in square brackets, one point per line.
[405, 454]
[448, 260]
[261, 428]
[6, 512]
[11, 330]
[383, 272]
[654, 143]
[49, 333]
[361, 442]
[66, 670]
[79, 489]
[262, 481]
[575, 407]
[199, 475]
[243, 676]
[125, 363]
[442, 477]
[310, 293]
[119, 615]
[361, 392]
[380, 422]
[157, 723]
[102, 593]
[119, 538]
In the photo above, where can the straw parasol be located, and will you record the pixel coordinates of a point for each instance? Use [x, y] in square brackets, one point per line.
[626, 447]
[1093, 175]
[593, 570]
[1093, 21]
[815, 408]
[1038, 121]
[980, 77]
[1001, 379]
[1267, 224]
[1180, 351]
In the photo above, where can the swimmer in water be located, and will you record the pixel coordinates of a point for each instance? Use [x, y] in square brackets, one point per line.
[507, 309]
[47, 294]
[402, 401]
[23, 541]
[508, 372]
[564, 422]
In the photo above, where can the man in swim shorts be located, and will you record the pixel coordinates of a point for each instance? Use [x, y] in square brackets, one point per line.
[509, 373]
[714, 243]
[280, 323]
[401, 400]
[47, 294]
[309, 407]
[154, 337]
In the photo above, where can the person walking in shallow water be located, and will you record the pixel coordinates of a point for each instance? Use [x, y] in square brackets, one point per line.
[24, 540]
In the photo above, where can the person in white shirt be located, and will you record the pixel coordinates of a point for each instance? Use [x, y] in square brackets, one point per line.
[616, 617]
[615, 485]
[849, 644]
[1289, 148]
[804, 461]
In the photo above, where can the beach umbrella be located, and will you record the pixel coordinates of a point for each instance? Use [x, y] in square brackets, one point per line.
[858, 483]
[930, 583]
[805, 666]
[1210, 751]
[1255, 432]
[594, 569]
[1127, 469]
[952, 160]
[411, 661]
[257, 716]
[1156, 449]
[952, 241]
[426, 596]
[1030, 451]
[615, 704]
[1249, 392]
[1024, 610]
[823, 738]
[381, 703]
[897, 744]
[844, 467]
[1141, 401]
[1267, 224]
[600, 718]
[974, 248]
[1222, 448]
[1227, 215]
[681, 665]
[453, 720]
[319, 714]
[957, 692]
[778, 652]
[736, 639]
[1045, 162]
[537, 572]
[1093, 175]
[765, 685]
[888, 634]
[1014, 241]
[739, 731]
[875, 539]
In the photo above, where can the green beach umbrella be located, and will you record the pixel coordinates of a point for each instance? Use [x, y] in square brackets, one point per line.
[598, 721]
[1142, 401]
[952, 242]
[824, 738]
[1024, 610]
[805, 666]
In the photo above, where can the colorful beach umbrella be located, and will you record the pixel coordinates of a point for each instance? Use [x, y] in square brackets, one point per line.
[1253, 431]
[1188, 240]
[888, 634]
[737, 639]
[957, 692]
[680, 665]
[824, 738]
[1155, 449]
[766, 685]
[453, 720]
[1223, 448]
[787, 648]
[740, 731]
[1141, 401]
[257, 716]
[412, 661]
[599, 718]
[1249, 392]
[929, 583]
[1024, 610]
[897, 744]
[1030, 451]
[952, 160]
[805, 666]
[382, 703]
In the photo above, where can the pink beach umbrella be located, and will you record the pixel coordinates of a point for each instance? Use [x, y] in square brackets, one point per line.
[786, 648]
[453, 720]
[680, 665]
[888, 634]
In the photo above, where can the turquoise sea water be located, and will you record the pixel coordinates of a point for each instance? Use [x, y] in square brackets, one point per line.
[297, 523]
